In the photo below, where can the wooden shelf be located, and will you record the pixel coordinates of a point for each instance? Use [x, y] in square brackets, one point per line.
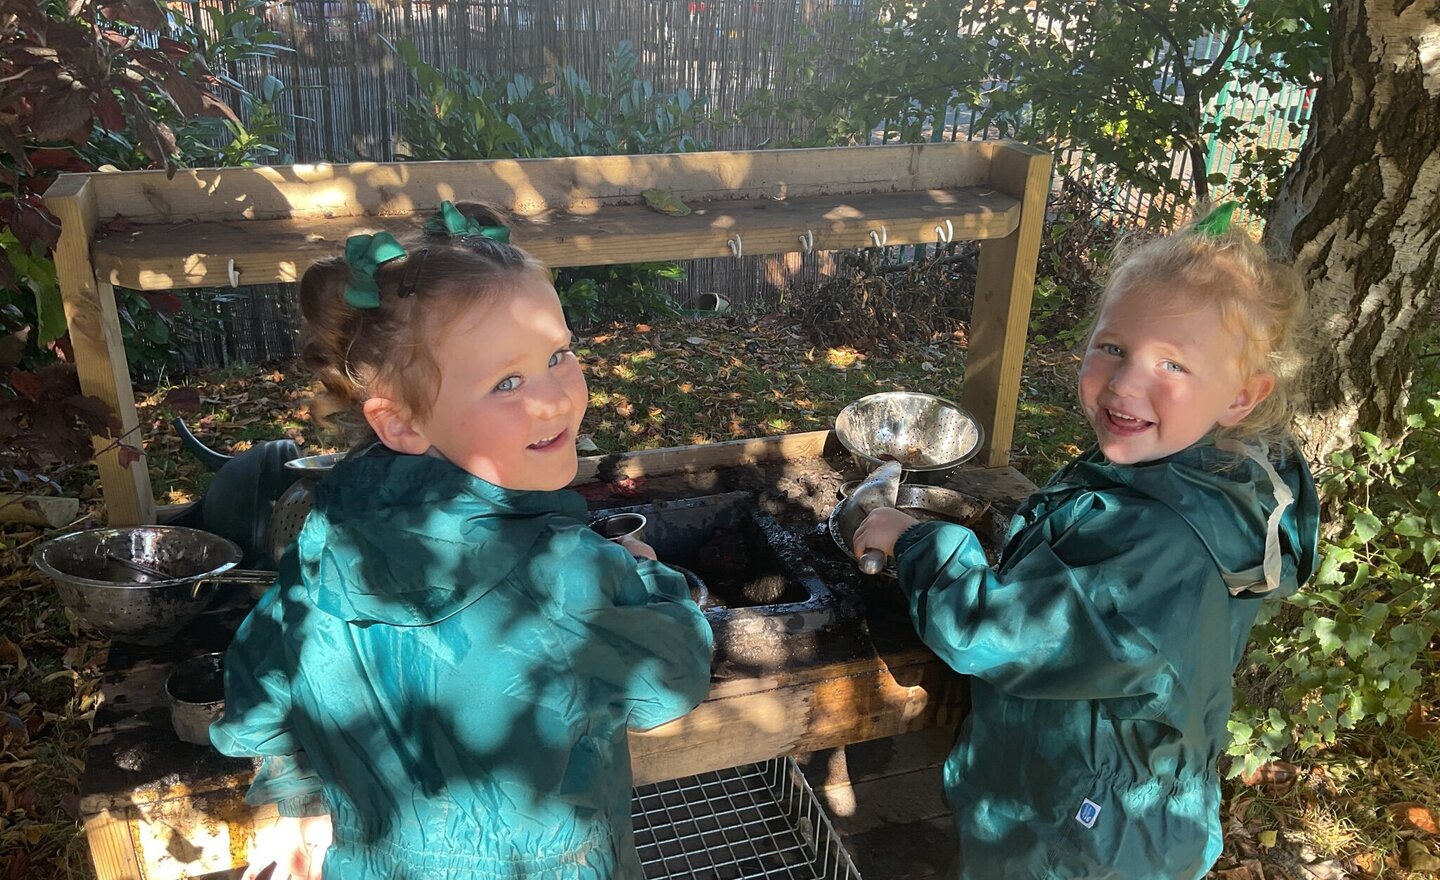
[199, 253]
[239, 226]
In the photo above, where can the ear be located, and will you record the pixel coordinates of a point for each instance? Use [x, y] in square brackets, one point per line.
[393, 424]
[1255, 389]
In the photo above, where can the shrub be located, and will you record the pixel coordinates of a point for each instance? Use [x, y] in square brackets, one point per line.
[1354, 645]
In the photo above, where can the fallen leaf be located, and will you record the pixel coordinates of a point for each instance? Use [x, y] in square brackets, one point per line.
[1419, 857]
[1247, 870]
[1368, 862]
[1268, 838]
[1415, 816]
[665, 202]
[1417, 725]
[185, 399]
[586, 443]
[1272, 774]
[11, 655]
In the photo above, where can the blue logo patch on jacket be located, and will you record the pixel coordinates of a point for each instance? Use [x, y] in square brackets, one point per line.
[1089, 813]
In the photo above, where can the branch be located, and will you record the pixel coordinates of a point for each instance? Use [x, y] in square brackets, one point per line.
[54, 479]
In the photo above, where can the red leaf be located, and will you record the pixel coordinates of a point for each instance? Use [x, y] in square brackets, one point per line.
[94, 413]
[62, 160]
[137, 12]
[110, 113]
[183, 399]
[129, 455]
[174, 49]
[31, 221]
[18, 865]
[25, 384]
[163, 301]
[118, 223]
[62, 114]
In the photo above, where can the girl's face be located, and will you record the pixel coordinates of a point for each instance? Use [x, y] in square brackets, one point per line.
[511, 392]
[1163, 370]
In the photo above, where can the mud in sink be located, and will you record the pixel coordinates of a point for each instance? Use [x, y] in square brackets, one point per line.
[765, 602]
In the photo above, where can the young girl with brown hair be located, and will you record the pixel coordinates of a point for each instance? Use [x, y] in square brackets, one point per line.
[444, 674]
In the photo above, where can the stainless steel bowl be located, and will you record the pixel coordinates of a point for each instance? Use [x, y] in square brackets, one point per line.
[930, 436]
[98, 575]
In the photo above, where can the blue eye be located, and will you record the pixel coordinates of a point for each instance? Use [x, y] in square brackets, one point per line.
[1108, 348]
[509, 383]
[559, 357]
[1173, 367]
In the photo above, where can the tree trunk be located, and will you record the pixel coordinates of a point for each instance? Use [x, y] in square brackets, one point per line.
[1360, 212]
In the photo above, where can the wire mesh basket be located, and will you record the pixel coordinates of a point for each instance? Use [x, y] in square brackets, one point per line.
[756, 821]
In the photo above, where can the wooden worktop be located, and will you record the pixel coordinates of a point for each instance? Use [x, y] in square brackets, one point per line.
[158, 808]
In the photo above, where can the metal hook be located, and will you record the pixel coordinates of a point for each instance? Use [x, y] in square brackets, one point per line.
[881, 238]
[807, 241]
[232, 273]
[945, 234]
[737, 247]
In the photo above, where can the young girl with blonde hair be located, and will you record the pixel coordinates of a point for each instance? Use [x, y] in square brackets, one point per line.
[1102, 646]
[441, 681]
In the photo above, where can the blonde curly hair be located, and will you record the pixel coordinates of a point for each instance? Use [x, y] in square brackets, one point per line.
[1258, 295]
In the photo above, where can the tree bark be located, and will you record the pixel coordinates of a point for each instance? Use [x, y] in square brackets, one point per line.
[1360, 213]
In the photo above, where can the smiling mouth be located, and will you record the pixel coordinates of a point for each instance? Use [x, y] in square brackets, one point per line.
[1121, 423]
[548, 442]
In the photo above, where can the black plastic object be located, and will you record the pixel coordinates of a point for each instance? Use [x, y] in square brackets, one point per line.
[242, 494]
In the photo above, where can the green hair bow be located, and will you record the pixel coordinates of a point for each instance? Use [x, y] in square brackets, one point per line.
[449, 220]
[1217, 222]
[365, 254]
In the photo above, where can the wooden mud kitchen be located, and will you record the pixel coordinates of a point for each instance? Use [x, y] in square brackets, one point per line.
[829, 672]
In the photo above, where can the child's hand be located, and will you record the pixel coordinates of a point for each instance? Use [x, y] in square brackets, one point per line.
[296, 849]
[880, 530]
[638, 548]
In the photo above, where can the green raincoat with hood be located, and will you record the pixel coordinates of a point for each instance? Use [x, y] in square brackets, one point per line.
[1102, 650]
[448, 668]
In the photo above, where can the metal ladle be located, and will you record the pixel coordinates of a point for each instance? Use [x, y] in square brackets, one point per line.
[238, 576]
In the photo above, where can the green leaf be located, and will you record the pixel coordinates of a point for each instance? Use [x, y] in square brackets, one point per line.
[1367, 526]
[1325, 634]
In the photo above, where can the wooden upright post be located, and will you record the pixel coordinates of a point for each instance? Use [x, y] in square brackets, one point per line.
[1004, 286]
[99, 349]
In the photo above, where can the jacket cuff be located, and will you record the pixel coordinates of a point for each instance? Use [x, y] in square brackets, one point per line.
[913, 536]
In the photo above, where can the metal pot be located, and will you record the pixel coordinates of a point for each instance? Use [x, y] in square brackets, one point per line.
[196, 689]
[142, 584]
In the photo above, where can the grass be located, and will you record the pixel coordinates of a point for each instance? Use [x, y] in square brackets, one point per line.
[664, 384]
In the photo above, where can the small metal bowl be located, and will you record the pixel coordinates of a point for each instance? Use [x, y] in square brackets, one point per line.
[930, 436]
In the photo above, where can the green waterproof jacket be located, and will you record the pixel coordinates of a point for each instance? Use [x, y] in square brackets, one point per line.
[1102, 650]
[448, 668]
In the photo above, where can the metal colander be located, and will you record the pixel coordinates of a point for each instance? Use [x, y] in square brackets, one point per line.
[291, 508]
